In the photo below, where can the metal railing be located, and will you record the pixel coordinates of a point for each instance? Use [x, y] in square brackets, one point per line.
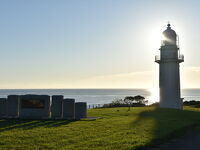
[180, 58]
[91, 106]
[157, 58]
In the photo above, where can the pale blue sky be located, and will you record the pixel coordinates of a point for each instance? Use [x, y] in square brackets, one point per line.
[93, 43]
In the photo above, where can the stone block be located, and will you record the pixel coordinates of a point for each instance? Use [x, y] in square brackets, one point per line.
[56, 106]
[80, 110]
[13, 106]
[69, 109]
[3, 110]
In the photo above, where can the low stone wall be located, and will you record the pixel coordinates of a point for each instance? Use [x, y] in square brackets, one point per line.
[41, 107]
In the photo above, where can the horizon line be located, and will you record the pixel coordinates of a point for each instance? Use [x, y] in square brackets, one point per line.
[85, 88]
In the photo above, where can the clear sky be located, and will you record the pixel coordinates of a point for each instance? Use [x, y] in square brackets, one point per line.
[94, 43]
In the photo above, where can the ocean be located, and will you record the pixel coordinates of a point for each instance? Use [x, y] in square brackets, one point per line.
[101, 96]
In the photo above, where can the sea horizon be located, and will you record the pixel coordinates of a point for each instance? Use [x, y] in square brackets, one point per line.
[101, 95]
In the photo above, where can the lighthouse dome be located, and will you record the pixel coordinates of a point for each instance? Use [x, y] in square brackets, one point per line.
[169, 36]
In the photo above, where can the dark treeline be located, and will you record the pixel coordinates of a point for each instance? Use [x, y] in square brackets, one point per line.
[139, 101]
[192, 103]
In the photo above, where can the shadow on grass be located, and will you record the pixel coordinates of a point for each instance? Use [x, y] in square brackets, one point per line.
[9, 124]
[167, 124]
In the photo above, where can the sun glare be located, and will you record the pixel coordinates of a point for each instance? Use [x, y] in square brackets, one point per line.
[156, 36]
[154, 97]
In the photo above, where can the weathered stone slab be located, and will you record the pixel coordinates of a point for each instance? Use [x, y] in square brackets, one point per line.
[56, 106]
[80, 110]
[69, 109]
[34, 106]
[13, 106]
[3, 110]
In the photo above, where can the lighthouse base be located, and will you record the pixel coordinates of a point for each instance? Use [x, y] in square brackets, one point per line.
[172, 103]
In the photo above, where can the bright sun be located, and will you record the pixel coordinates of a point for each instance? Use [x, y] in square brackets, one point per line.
[155, 35]
[154, 97]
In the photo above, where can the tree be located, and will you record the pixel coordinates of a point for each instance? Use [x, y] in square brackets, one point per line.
[139, 99]
[129, 100]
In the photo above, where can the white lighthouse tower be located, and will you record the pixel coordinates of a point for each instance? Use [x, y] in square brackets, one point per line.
[169, 75]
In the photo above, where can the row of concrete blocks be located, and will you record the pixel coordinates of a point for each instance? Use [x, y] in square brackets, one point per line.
[12, 107]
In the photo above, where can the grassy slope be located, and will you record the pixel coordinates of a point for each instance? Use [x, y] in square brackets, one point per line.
[118, 129]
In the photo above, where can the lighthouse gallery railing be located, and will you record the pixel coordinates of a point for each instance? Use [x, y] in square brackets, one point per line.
[180, 58]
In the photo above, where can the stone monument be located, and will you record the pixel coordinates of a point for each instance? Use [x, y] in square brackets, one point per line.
[39, 107]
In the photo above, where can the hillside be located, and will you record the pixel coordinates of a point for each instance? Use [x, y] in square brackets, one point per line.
[116, 129]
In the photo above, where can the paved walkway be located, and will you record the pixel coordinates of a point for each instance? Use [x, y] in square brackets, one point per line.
[190, 141]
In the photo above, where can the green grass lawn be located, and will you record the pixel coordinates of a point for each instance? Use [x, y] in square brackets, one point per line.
[118, 129]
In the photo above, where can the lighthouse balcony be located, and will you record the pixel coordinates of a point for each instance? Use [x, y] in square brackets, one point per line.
[157, 58]
[179, 59]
